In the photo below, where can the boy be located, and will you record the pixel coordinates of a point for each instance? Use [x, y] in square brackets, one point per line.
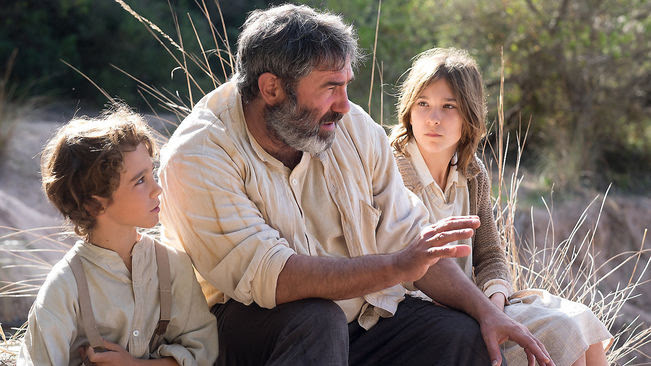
[118, 296]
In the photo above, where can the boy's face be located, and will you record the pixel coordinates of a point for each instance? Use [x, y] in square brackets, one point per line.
[135, 202]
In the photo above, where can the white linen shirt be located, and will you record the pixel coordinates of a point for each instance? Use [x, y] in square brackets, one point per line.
[453, 201]
[238, 212]
[126, 309]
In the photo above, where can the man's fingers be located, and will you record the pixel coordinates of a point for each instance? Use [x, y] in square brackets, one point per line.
[541, 354]
[532, 346]
[450, 251]
[531, 359]
[549, 358]
[455, 222]
[493, 349]
[452, 223]
[449, 236]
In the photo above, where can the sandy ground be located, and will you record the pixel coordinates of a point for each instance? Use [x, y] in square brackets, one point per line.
[23, 206]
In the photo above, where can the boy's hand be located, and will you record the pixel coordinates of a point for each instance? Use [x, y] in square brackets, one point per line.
[114, 355]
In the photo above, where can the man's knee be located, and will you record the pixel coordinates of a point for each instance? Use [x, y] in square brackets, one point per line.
[454, 335]
[461, 327]
[316, 316]
[305, 332]
[316, 333]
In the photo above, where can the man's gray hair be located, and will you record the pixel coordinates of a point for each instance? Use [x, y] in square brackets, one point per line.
[290, 41]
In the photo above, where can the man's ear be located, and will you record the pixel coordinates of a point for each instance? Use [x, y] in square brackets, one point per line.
[271, 88]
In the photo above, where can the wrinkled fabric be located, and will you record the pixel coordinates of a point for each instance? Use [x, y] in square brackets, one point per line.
[126, 309]
[239, 213]
[566, 328]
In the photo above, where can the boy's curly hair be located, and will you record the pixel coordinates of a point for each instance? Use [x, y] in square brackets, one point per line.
[85, 158]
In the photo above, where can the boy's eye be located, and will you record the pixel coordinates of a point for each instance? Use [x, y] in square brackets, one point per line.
[140, 180]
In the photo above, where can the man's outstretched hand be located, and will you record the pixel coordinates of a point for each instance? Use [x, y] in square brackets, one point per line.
[417, 258]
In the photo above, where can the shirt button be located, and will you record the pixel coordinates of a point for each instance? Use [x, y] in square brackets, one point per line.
[294, 181]
[136, 333]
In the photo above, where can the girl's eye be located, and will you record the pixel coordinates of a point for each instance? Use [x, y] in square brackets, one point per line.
[421, 104]
[449, 106]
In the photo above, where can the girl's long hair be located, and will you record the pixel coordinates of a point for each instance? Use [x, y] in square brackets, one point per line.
[462, 74]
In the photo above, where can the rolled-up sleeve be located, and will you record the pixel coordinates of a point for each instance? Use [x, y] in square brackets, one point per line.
[205, 208]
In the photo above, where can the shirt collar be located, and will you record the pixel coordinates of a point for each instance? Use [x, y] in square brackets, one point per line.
[110, 260]
[417, 160]
[424, 174]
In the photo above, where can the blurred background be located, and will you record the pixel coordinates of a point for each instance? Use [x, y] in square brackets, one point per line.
[576, 73]
[580, 70]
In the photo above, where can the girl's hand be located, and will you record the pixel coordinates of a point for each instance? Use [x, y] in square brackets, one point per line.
[499, 300]
[114, 355]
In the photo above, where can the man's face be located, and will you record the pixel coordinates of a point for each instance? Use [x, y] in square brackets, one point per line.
[307, 119]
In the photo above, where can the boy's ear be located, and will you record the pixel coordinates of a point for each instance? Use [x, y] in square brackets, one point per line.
[271, 88]
[96, 205]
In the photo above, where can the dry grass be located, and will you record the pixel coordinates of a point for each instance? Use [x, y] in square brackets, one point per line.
[567, 267]
[564, 267]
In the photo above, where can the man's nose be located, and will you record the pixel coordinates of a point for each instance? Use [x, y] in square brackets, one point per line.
[342, 104]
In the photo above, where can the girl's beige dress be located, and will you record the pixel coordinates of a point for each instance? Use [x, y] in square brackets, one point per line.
[566, 328]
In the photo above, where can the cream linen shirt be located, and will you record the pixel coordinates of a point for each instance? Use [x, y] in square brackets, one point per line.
[454, 200]
[125, 306]
[240, 213]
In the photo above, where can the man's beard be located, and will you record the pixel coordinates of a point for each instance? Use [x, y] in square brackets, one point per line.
[299, 127]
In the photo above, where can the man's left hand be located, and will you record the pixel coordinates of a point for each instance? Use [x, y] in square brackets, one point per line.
[497, 328]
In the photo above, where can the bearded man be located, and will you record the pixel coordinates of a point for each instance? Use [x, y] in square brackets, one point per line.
[287, 198]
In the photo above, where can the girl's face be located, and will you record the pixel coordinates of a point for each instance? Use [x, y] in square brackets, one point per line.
[135, 202]
[436, 120]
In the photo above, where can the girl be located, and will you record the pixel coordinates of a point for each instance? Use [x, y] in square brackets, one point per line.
[118, 297]
[441, 113]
